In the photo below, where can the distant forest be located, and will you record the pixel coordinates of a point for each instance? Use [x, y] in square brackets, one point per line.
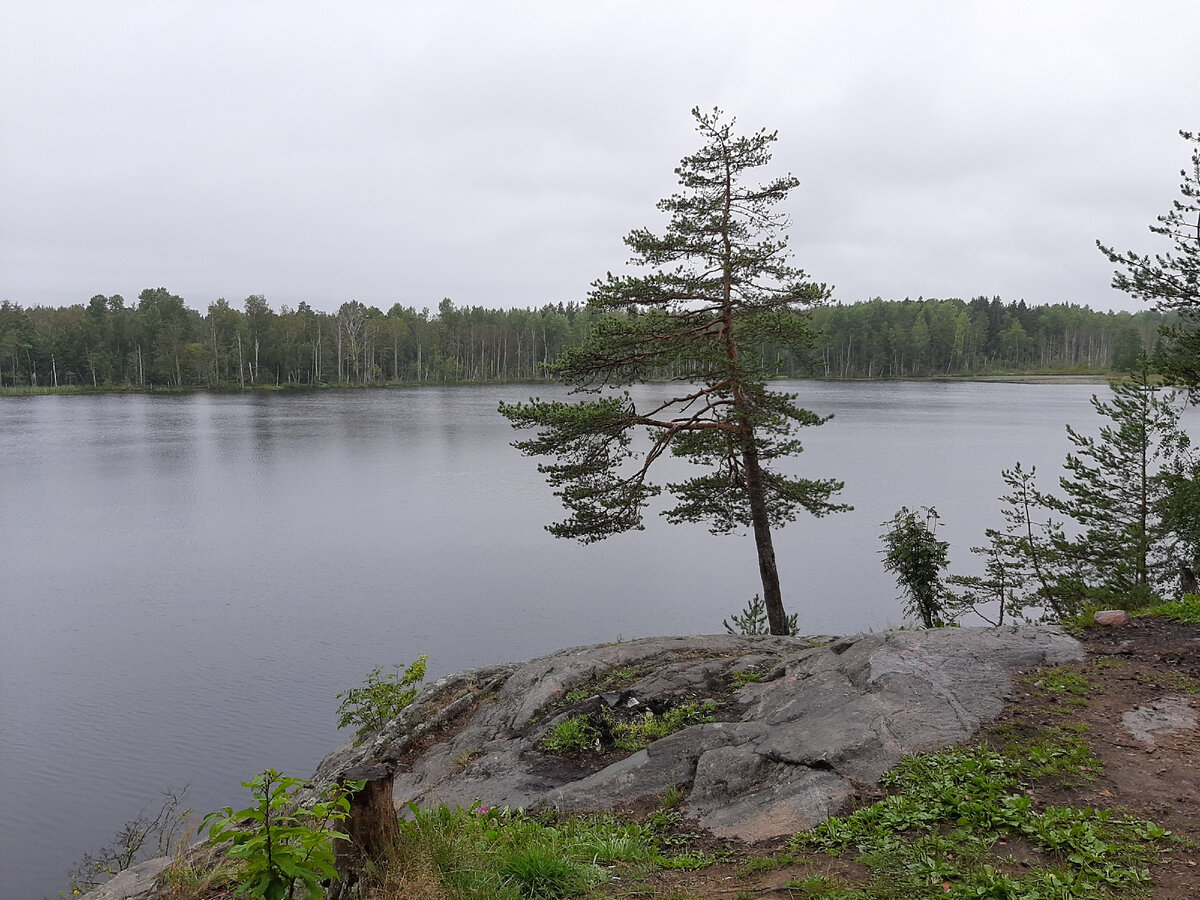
[158, 341]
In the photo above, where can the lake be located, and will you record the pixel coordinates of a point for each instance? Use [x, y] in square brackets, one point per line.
[187, 581]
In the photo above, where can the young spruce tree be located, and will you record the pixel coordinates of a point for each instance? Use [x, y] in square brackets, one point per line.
[719, 285]
[1114, 490]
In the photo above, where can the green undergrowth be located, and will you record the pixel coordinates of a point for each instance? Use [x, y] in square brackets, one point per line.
[962, 822]
[1060, 682]
[602, 730]
[1185, 610]
[500, 854]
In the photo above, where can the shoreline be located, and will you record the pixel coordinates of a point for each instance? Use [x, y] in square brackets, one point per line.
[82, 390]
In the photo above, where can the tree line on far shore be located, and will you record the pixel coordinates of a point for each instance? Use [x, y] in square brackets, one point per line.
[158, 341]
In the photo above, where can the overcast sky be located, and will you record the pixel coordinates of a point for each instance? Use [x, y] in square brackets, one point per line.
[497, 152]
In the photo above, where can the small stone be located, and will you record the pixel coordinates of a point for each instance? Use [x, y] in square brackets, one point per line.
[1164, 717]
[1107, 618]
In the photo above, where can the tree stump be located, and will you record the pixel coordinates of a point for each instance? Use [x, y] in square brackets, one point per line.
[372, 825]
[1187, 580]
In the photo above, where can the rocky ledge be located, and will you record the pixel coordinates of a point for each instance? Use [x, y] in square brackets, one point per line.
[798, 725]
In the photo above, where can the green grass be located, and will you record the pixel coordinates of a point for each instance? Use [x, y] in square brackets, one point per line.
[541, 872]
[1061, 682]
[690, 860]
[1185, 610]
[642, 732]
[1067, 758]
[822, 887]
[499, 854]
[612, 680]
[600, 731]
[741, 679]
[574, 735]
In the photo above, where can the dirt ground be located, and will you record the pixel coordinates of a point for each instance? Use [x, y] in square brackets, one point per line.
[1138, 665]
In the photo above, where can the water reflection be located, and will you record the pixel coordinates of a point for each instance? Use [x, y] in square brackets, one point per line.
[188, 581]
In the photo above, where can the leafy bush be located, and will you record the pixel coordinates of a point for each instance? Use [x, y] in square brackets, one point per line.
[381, 698]
[917, 558]
[284, 842]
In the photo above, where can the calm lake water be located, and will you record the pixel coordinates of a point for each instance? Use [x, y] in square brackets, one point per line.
[186, 582]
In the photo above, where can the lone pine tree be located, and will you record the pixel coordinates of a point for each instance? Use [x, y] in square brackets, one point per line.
[719, 284]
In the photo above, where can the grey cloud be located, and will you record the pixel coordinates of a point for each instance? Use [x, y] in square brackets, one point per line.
[496, 153]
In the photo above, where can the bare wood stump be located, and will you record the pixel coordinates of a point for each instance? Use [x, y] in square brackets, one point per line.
[371, 824]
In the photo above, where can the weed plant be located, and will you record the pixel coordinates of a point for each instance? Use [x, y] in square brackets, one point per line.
[943, 831]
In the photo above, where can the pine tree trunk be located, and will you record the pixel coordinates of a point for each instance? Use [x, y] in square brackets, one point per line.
[763, 545]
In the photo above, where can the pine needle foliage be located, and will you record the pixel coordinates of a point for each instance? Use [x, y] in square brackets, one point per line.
[1171, 279]
[711, 289]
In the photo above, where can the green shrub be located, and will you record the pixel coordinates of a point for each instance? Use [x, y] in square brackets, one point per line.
[381, 698]
[917, 558]
[284, 842]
